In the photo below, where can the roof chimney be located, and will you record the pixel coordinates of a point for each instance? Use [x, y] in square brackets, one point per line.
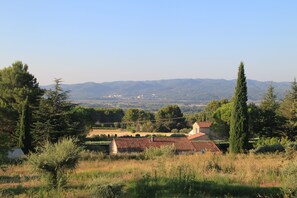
[153, 138]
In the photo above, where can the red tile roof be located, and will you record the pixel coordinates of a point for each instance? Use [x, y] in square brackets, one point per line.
[198, 136]
[204, 124]
[206, 146]
[181, 144]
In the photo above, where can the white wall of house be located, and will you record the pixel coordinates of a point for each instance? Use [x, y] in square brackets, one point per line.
[113, 149]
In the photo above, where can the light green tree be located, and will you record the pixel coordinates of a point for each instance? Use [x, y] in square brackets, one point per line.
[54, 161]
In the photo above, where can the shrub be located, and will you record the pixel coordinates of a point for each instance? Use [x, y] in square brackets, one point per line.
[153, 152]
[185, 130]
[290, 179]
[92, 155]
[55, 161]
[270, 148]
[107, 191]
[291, 150]
[174, 131]
[178, 135]
[271, 141]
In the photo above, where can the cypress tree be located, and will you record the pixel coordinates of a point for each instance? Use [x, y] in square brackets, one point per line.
[239, 115]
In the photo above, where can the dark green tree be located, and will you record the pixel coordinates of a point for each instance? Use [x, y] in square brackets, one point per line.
[269, 120]
[137, 119]
[109, 117]
[168, 118]
[55, 118]
[288, 109]
[19, 98]
[239, 116]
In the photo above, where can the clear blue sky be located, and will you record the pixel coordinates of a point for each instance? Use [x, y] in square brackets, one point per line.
[99, 41]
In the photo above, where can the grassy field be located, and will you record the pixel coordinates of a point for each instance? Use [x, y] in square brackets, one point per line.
[198, 175]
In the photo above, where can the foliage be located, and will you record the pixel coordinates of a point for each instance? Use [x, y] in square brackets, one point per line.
[164, 151]
[288, 109]
[3, 148]
[221, 125]
[290, 179]
[168, 118]
[239, 116]
[56, 117]
[19, 98]
[178, 135]
[107, 191]
[108, 117]
[270, 141]
[55, 161]
[270, 121]
[138, 120]
[270, 148]
[185, 130]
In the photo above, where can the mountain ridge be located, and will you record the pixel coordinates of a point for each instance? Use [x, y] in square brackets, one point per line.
[170, 89]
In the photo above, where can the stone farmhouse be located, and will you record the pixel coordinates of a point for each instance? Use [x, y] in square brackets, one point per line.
[197, 141]
[201, 127]
[181, 145]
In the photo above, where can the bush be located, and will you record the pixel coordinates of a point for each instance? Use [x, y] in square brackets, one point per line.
[185, 130]
[291, 150]
[270, 148]
[272, 141]
[178, 135]
[174, 131]
[92, 155]
[55, 161]
[107, 191]
[153, 152]
[290, 179]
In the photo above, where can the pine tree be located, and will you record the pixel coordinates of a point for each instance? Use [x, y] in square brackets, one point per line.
[19, 97]
[55, 117]
[239, 116]
[288, 109]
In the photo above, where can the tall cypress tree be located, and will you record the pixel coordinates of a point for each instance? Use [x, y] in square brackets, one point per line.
[239, 116]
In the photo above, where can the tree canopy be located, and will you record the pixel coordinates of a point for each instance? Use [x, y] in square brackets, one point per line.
[19, 98]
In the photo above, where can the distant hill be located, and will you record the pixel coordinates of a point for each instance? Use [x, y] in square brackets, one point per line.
[171, 90]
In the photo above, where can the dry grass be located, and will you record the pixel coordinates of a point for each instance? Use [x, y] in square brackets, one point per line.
[251, 170]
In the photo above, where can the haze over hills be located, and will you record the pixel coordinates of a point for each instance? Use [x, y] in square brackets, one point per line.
[202, 90]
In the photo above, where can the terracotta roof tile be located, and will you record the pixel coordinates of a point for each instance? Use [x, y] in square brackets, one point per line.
[198, 136]
[140, 144]
[206, 146]
[204, 124]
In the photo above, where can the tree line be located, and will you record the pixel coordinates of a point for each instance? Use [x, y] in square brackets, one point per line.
[29, 115]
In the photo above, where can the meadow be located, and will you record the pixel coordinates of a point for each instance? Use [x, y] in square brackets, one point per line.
[195, 175]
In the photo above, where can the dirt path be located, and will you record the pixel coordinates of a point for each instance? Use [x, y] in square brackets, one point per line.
[120, 133]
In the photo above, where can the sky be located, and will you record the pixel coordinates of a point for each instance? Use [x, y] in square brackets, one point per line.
[104, 41]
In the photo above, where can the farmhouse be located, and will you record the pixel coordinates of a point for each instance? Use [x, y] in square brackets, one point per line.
[181, 145]
[129, 145]
[201, 127]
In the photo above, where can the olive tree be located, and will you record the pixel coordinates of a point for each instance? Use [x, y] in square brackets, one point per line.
[55, 161]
